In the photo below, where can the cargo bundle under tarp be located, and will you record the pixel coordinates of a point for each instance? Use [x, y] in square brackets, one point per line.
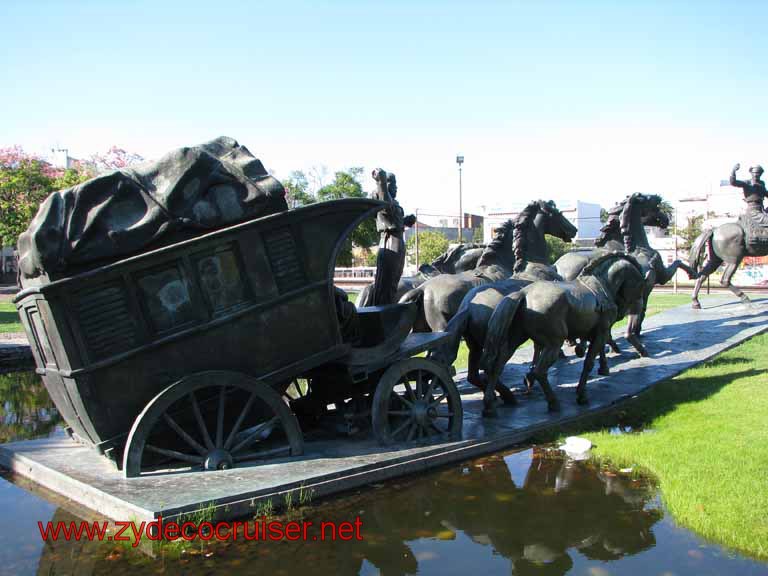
[185, 193]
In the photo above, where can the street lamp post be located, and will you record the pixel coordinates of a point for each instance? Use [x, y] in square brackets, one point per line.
[460, 161]
[416, 231]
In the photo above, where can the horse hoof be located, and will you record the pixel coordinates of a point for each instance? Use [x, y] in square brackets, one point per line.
[582, 399]
[604, 371]
[553, 406]
[644, 353]
[508, 397]
[695, 305]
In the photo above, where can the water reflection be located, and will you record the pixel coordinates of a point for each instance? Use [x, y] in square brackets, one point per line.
[517, 513]
[26, 410]
[525, 513]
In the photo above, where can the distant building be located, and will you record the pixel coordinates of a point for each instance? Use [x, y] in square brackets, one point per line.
[584, 215]
[448, 226]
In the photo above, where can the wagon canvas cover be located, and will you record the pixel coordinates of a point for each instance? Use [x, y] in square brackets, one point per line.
[187, 191]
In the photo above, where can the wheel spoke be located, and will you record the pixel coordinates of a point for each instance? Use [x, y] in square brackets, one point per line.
[220, 417]
[200, 421]
[174, 454]
[399, 412]
[260, 455]
[401, 427]
[187, 438]
[239, 422]
[408, 388]
[403, 399]
[430, 388]
[411, 431]
[446, 415]
[419, 385]
[436, 428]
[253, 434]
[438, 400]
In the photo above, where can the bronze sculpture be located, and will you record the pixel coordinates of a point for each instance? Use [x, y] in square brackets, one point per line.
[625, 231]
[550, 312]
[518, 248]
[390, 223]
[731, 242]
[169, 323]
[453, 261]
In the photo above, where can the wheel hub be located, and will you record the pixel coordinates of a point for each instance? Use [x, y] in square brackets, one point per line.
[423, 412]
[218, 460]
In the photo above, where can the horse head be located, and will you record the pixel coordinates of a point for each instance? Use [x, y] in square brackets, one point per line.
[626, 221]
[555, 223]
[533, 223]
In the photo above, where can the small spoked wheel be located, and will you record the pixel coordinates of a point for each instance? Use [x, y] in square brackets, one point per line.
[416, 399]
[211, 421]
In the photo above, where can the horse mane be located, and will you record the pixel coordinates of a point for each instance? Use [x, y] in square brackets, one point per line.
[523, 223]
[497, 243]
[591, 268]
[619, 219]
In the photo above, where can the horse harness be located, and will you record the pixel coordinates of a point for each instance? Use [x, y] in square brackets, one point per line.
[605, 302]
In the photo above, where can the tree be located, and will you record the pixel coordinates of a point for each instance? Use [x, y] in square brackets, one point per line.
[431, 245]
[556, 248]
[346, 184]
[477, 235]
[25, 181]
[667, 209]
[603, 215]
[297, 190]
[691, 231]
[114, 159]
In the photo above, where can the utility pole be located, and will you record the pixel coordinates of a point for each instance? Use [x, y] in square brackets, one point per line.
[460, 161]
[416, 231]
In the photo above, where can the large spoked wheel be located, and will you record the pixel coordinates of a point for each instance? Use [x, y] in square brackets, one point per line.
[416, 399]
[211, 421]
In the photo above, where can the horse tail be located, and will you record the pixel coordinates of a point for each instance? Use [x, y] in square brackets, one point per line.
[417, 295]
[498, 328]
[447, 352]
[697, 250]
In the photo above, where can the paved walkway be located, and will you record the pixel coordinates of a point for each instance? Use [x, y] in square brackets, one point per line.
[677, 339]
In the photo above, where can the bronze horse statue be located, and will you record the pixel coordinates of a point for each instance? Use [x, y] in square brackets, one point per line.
[551, 312]
[518, 248]
[731, 242]
[457, 259]
[625, 231]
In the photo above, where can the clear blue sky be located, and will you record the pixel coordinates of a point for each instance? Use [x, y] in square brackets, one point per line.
[545, 99]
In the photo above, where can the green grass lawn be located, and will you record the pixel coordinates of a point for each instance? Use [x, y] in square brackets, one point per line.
[9, 318]
[708, 447]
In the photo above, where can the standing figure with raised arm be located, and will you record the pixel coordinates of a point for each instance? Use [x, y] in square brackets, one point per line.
[390, 223]
[754, 190]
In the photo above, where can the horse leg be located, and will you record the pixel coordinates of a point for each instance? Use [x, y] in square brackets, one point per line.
[493, 375]
[474, 377]
[632, 337]
[597, 344]
[602, 367]
[530, 377]
[712, 264]
[473, 366]
[726, 281]
[547, 357]
[613, 345]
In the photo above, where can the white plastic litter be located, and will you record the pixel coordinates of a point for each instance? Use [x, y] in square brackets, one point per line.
[576, 448]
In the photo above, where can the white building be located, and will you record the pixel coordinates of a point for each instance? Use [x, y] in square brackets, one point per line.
[584, 215]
